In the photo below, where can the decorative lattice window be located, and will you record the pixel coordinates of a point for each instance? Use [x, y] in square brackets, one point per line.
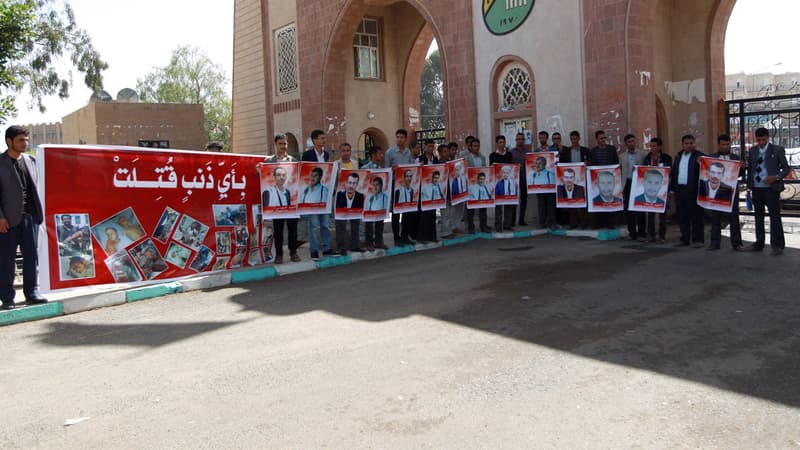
[366, 50]
[516, 88]
[286, 55]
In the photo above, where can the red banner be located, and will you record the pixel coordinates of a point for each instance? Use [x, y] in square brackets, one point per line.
[119, 215]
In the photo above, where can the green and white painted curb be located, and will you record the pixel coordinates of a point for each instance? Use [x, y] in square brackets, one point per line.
[223, 279]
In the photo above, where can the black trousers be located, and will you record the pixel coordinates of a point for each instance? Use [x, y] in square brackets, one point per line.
[504, 216]
[482, 219]
[636, 225]
[546, 204]
[277, 225]
[733, 223]
[651, 225]
[373, 233]
[427, 226]
[771, 199]
[25, 235]
[341, 226]
[523, 200]
[690, 215]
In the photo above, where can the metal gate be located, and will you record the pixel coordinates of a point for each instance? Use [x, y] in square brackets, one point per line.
[781, 116]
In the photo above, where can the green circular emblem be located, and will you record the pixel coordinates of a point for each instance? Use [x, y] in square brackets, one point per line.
[504, 16]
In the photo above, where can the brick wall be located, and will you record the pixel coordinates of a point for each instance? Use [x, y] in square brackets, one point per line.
[250, 130]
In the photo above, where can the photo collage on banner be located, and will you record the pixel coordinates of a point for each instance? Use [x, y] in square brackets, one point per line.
[571, 181]
[378, 204]
[459, 181]
[279, 190]
[541, 170]
[75, 252]
[506, 189]
[649, 189]
[719, 183]
[193, 203]
[434, 187]
[406, 189]
[481, 187]
[316, 186]
[351, 192]
[605, 188]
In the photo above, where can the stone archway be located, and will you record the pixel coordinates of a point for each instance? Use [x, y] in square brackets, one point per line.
[411, 82]
[324, 69]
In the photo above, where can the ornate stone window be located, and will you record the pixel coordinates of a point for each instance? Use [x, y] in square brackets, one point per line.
[366, 50]
[516, 87]
[286, 59]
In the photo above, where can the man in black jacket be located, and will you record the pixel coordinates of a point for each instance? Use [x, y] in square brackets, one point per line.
[684, 179]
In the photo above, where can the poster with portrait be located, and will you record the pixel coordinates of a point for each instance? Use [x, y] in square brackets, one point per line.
[605, 188]
[481, 187]
[279, 185]
[434, 187]
[649, 189]
[351, 191]
[540, 168]
[378, 204]
[147, 214]
[571, 185]
[506, 188]
[406, 188]
[718, 184]
[316, 187]
[459, 182]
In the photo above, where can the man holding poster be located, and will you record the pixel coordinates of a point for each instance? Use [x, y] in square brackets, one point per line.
[349, 208]
[376, 208]
[570, 192]
[724, 156]
[278, 197]
[605, 189]
[406, 201]
[315, 200]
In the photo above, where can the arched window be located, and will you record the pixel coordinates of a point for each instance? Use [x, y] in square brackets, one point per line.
[515, 89]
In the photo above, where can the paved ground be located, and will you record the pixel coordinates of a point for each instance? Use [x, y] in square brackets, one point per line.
[529, 343]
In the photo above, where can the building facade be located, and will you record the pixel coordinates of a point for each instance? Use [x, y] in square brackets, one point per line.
[352, 68]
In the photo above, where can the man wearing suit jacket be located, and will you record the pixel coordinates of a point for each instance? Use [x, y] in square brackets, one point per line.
[20, 217]
[278, 225]
[570, 190]
[576, 153]
[629, 157]
[318, 221]
[684, 178]
[724, 152]
[349, 199]
[405, 194]
[504, 214]
[767, 167]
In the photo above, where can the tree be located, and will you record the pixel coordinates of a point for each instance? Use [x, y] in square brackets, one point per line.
[431, 93]
[35, 35]
[191, 77]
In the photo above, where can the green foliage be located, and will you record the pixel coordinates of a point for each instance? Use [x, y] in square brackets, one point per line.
[191, 77]
[35, 35]
[432, 93]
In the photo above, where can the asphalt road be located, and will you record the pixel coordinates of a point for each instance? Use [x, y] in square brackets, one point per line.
[534, 343]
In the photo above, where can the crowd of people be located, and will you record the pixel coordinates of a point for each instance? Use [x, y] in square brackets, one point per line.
[766, 167]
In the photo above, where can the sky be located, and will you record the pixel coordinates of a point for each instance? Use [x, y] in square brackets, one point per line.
[135, 36]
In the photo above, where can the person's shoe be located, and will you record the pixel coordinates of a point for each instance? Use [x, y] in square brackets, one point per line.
[522, 223]
[357, 250]
[641, 239]
[328, 252]
[509, 228]
[279, 260]
[777, 251]
[630, 238]
[661, 241]
[498, 229]
[698, 245]
[36, 300]
[381, 246]
[458, 231]
[485, 229]
[9, 305]
[736, 247]
[681, 244]
[712, 247]
[449, 236]
[755, 248]
[471, 231]
[315, 256]
[300, 243]
[341, 253]
[295, 257]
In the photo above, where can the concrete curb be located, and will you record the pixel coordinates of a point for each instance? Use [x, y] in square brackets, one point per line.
[222, 279]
